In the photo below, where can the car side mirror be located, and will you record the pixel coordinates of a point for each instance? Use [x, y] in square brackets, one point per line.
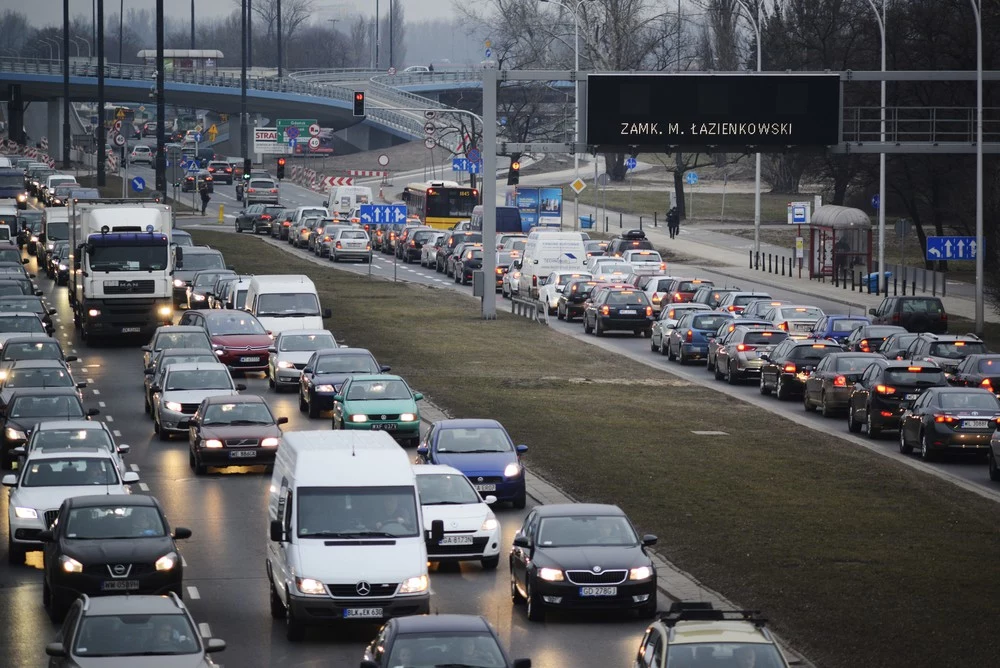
[146, 349]
[55, 649]
[327, 313]
[149, 370]
[91, 412]
[24, 260]
[522, 663]
[241, 387]
[520, 540]
[277, 531]
[281, 420]
[872, 311]
[338, 397]
[437, 530]
[130, 478]
[38, 293]
[19, 451]
[213, 645]
[384, 369]
[521, 449]
[81, 385]
[489, 500]
[272, 350]
[231, 267]
[648, 540]
[52, 311]
[9, 480]
[72, 358]
[180, 533]
[423, 450]
[417, 396]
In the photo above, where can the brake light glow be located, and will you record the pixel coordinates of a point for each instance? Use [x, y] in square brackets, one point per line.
[649, 310]
[605, 310]
[730, 308]
[689, 337]
[885, 389]
[784, 326]
[743, 347]
[656, 297]
[840, 381]
[789, 368]
[863, 345]
[987, 384]
[338, 245]
[287, 223]
[944, 418]
[915, 369]
[265, 217]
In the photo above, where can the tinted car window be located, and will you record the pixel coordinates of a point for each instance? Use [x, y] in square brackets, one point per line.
[904, 376]
[811, 352]
[712, 322]
[629, 298]
[957, 350]
[921, 305]
[845, 325]
[968, 401]
[764, 338]
[989, 366]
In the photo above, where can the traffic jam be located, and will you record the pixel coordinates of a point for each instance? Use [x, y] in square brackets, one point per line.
[366, 503]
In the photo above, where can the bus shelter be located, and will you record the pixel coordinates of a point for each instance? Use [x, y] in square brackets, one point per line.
[840, 240]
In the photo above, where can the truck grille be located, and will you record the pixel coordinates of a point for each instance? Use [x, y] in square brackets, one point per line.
[129, 287]
[351, 590]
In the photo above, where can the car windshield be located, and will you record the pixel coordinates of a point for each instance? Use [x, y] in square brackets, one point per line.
[346, 364]
[306, 342]
[237, 413]
[135, 635]
[21, 323]
[26, 305]
[262, 184]
[477, 439]
[922, 305]
[378, 390]
[287, 304]
[353, 234]
[182, 340]
[764, 338]
[478, 650]
[957, 350]
[44, 377]
[31, 350]
[114, 522]
[69, 472]
[811, 354]
[691, 286]
[182, 238]
[738, 655]
[199, 379]
[56, 230]
[915, 375]
[15, 288]
[198, 261]
[585, 530]
[709, 322]
[645, 256]
[440, 489]
[207, 279]
[847, 324]
[38, 406]
[852, 363]
[187, 359]
[357, 512]
[234, 325]
[801, 312]
[71, 438]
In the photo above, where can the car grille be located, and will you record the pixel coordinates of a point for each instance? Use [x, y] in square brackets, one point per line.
[379, 417]
[129, 287]
[481, 479]
[103, 570]
[351, 590]
[591, 578]
[300, 367]
[242, 442]
[189, 409]
[50, 517]
[478, 545]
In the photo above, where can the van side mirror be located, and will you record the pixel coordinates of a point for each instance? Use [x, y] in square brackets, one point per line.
[327, 313]
[281, 420]
[437, 530]
[277, 531]
[872, 311]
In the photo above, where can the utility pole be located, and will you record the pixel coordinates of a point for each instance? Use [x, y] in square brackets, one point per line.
[101, 131]
[65, 66]
[391, 3]
[248, 31]
[280, 52]
[245, 152]
[192, 24]
[161, 107]
[121, 29]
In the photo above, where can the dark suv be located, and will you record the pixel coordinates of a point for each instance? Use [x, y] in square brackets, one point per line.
[449, 244]
[886, 389]
[916, 314]
[945, 350]
[786, 368]
[630, 240]
[617, 309]
[573, 297]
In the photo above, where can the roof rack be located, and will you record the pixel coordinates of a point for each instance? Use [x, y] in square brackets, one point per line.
[681, 611]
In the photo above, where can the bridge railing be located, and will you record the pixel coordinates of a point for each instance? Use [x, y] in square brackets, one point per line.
[942, 125]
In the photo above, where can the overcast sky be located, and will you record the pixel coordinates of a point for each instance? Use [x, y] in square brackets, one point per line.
[49, 12]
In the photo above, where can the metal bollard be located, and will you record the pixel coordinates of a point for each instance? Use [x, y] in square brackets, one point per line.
[619, 220]
[640, 222]
[924, 273]
[944, 282]
[895, 284]
[654, 219]
[751, 259]
[852, 280]
[934, 283]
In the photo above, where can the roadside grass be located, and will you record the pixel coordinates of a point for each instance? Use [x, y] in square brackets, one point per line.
[858, 561]
[700, 206]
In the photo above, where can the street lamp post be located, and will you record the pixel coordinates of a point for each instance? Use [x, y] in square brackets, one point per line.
[880, 17]
[280, 53]
[980, 247]
[755, 21]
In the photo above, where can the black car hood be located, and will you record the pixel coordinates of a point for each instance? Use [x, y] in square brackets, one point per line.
[118, 550]
[586, 557]
[335, 379]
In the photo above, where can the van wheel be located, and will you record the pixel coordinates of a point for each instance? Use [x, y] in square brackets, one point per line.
[277, 607]
[294, 629]
[491, 563]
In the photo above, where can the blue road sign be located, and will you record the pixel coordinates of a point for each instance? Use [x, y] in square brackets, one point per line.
[691, 178]
[798, 215]
[186, 164]
[459, 164]
[292, 143]
[951, 248]
[503, 120]
[875, 201]
[630, 163]
[474, 155]
[292, 132]
[138, 184]
[474, 167]
[197, 137]
[383, 214]
[488, 53]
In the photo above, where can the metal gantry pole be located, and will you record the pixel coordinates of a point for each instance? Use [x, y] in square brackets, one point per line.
[65, 73]
[245, 152]
[280, 52]
[880, 18]
[489, 193]
[980, 240]
[161, 106]
[756, 189]
[192, 24]
[100, 132]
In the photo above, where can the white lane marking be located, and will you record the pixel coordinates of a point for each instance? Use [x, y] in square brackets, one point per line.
[101, 404]
[134, 467]
[72, 350]
[206, 630]
[143, 486]
[117, 433]
[184, 562]
[195, 594]
[109, 418]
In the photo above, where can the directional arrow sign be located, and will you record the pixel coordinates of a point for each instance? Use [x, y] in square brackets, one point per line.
[367, 213]
[138, 184]
[951, 248]
[459, 164]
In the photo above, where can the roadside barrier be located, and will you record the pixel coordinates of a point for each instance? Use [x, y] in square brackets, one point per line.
[529, 308]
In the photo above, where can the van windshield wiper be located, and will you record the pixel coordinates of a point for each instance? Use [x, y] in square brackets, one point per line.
[348, 534]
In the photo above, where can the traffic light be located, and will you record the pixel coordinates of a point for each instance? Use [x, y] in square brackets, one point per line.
[359, 103]
[281, 168]
[514, 173]
[247, 166]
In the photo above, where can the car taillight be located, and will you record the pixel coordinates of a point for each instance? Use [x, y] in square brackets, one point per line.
[649, 310]
[605, 310]
[784, 326]
[499, 270]
[944, 317]
[863, 346]
[731, 309]
[228, 170]
[944, 418]
[689, 337]
[885, 389]
[789, 368]
[265, 217]
[656, 297]
[287, 223]
[678, 296]
[987, 384]
[743, 347]
[274, 190]
[534, 281]
[338, 244]
[413, 244]
[840, 381]
[251, 190]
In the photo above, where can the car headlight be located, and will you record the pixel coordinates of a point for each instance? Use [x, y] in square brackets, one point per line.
[220, 351]
[285, 364]
[489, 524]
[93, 313]
[324, 388]
[70, 565]
[640, 573]
[14, 434]
[34, 239]
[269, 442]
[178, 283]
[199, 298]
[310, 586]
[25, 513]
[50, 246]
[172, 406]
[63, 267]
[551, 574]
[166, 562]
[414, 585]
[407, 417]
[213, 443]
[359, 417]
[163, 311]
[512, 471]
[22, 197]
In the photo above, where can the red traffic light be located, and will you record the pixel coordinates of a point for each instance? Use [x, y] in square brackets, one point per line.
[359, 96]
[281, 161]
[515, 165]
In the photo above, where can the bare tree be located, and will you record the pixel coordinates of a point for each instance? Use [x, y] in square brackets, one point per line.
[396, 31]
[294, 13]
[15, 31]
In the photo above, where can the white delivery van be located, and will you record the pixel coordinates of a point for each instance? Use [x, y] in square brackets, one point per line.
[285, 301]
[548, 251]
[346, 536]
[341, 199]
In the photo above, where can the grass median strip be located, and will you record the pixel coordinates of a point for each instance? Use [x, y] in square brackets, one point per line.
[858, 560]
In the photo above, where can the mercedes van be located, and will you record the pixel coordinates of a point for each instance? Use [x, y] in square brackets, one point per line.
[342, 199]
[285, 301]
[548, 251]
[346, 539]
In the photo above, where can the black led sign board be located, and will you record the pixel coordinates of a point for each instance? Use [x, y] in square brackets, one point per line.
[773, 111]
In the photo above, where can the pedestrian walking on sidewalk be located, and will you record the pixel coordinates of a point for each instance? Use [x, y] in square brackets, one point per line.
[205, 197]
[673, 222]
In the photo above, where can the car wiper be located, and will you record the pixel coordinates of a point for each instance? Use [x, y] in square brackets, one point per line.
[349, 534]
[469, 452]
[238, 422]
[449, 503]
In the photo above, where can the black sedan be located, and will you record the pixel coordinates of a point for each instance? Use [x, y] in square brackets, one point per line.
[438, 640]
[25, 408]
[326, 371]
[579, 556]
[203, 178]
[955, 419]
[894, 346]
[979, 371]
[886, 390]
[867, 338]
[619, 309]
[573, 298]
[110, 544]
[786, 368]
[29, 304]
[471, 260]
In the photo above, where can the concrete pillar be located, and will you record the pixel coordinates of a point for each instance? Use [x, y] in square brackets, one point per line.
[15, 114]
[54, 126]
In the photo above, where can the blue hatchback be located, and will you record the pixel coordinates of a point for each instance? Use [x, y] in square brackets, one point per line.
[689, 340]
[483, 451]
[838, 327]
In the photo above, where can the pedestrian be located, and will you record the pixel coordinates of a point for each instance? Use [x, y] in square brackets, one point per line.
[673, 222]
[430, 67]
[205, 197]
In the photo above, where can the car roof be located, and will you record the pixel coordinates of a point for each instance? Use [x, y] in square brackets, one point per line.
[237, 399]
[303, 332]
[35, 364]
[34, 337]
[82, 452]
[168, 352]
[132, 605]
[69, 424]
[468, 423]
[112, 500]
[577, 509]
[201, 250]
[323, 352]
[729, 631]
[375, 376]
[43, 391]
[196, 366]
[172, 329]
[957, 390]
[431, 623]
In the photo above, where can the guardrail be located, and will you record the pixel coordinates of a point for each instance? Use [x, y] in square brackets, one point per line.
[529, 308]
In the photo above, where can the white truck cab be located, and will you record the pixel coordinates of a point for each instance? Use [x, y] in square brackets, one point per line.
[285, 301]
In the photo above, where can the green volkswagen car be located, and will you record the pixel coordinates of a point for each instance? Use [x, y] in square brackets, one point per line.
[378, 401]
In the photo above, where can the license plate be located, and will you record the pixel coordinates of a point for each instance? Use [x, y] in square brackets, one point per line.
[242, 454]
[598, 591]
[249, 359]
[363, 613]
[131, 330]
[627, 311]
[911, 397]
[456, 540]
[485, 488]
[975, 424]
[120, 585]
[386, 426]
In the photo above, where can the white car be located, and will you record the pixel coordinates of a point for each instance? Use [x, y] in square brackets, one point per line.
[72, 435]
[291, 350]
[351, 243]
[610, 269]
[428, 252]
[645, 261]
[549, 292]
[510, 285]
[796, 319]
[49, 478]
[471, 530]
[183, 387]
[415, 69]
[141, 153]
[655, 287]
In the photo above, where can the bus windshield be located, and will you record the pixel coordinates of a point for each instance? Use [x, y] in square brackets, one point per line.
[451, 203]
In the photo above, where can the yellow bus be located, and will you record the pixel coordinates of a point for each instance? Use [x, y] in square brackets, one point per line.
[440, 204]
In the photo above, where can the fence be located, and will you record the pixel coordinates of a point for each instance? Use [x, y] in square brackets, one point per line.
[529, 308]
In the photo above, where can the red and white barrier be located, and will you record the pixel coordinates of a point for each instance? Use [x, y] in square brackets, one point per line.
[367, 172]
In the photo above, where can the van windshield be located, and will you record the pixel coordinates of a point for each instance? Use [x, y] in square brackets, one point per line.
[57, 231]
[287, 305]
[357, 512]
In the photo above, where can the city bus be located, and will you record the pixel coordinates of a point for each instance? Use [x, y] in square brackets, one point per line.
[440, 204]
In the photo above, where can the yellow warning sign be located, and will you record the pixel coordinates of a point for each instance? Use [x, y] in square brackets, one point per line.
[121, 114]
[578, 186]
[212, 132]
